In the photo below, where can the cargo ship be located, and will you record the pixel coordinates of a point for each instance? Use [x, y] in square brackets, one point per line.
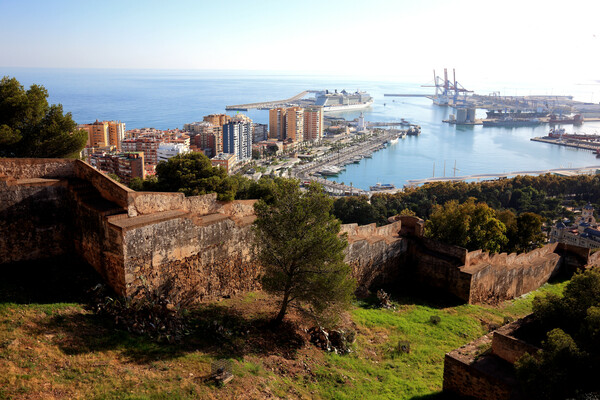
[343, 101]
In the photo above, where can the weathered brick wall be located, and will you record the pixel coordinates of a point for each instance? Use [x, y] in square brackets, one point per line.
[464, 379]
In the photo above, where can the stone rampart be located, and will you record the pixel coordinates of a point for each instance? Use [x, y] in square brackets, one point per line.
[145, 239]
[471, 371]
[506, 276]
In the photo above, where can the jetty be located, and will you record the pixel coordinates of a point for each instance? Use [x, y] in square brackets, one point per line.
[269, 104]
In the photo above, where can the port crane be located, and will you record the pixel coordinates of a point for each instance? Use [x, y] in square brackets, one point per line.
[446, 89]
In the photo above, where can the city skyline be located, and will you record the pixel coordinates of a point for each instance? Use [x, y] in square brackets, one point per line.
[517, 41]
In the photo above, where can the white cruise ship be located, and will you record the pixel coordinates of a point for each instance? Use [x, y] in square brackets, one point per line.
[343, 101]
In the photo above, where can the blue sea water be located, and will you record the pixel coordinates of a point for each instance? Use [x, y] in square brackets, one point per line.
[167, 99]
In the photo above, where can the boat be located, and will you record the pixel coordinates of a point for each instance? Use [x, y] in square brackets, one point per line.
[512, 122]
[576, 119]
[330, 170]
[382, 186]
[414, 130]
[343, 101]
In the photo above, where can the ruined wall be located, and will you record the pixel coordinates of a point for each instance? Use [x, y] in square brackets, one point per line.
[483, 368]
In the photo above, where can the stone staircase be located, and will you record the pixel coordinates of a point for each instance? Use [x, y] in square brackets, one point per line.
[87, 194]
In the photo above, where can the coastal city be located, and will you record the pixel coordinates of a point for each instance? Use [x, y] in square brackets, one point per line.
[316, 200]
[307, 139]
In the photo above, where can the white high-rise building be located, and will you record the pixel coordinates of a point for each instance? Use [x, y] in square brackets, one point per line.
[168, 150]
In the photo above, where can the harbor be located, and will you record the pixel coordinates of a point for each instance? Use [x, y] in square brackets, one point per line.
[334, 162]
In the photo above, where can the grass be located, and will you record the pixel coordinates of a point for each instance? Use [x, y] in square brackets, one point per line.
[59, 350]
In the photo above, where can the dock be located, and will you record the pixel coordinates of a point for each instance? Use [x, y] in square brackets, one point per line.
[269, 104]
[557, 171]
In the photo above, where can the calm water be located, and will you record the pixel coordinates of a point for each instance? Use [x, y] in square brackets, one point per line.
[168, 99]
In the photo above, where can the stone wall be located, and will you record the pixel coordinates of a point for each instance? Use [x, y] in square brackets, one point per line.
[484, 368]
[509, 348]
[374, 253]
[108, 188]
[26, 168]
[471, 371]
[506, 276]
[34, 218]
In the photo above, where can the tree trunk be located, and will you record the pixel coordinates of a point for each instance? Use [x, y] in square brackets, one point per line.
[282, 311]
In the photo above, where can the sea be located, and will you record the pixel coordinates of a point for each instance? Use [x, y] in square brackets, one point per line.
[166, 99]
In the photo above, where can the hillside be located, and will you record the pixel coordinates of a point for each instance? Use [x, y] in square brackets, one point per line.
[53, 347]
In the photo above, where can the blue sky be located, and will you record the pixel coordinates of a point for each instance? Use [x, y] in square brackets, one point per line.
[528, 39]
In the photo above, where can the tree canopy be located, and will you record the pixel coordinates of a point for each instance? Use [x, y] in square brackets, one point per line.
[470, 225]
[569, 362]
[300, 249]
[30, 127]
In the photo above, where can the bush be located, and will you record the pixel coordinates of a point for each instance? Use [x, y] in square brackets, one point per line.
[153, 313]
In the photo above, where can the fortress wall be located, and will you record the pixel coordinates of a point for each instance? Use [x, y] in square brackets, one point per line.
[503, 276]
[210, 255]
[142, 203]
[34, 217]
[27, 168]
[375, 262]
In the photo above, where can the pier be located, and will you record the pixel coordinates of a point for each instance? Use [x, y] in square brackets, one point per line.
[269, 104]
[578, 144]
[558, 171]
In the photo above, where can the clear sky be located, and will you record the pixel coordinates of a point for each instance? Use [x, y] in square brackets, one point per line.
[403, 39]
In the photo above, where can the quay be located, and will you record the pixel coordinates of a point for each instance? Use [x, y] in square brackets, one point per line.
[557, 171]
[269, 104]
